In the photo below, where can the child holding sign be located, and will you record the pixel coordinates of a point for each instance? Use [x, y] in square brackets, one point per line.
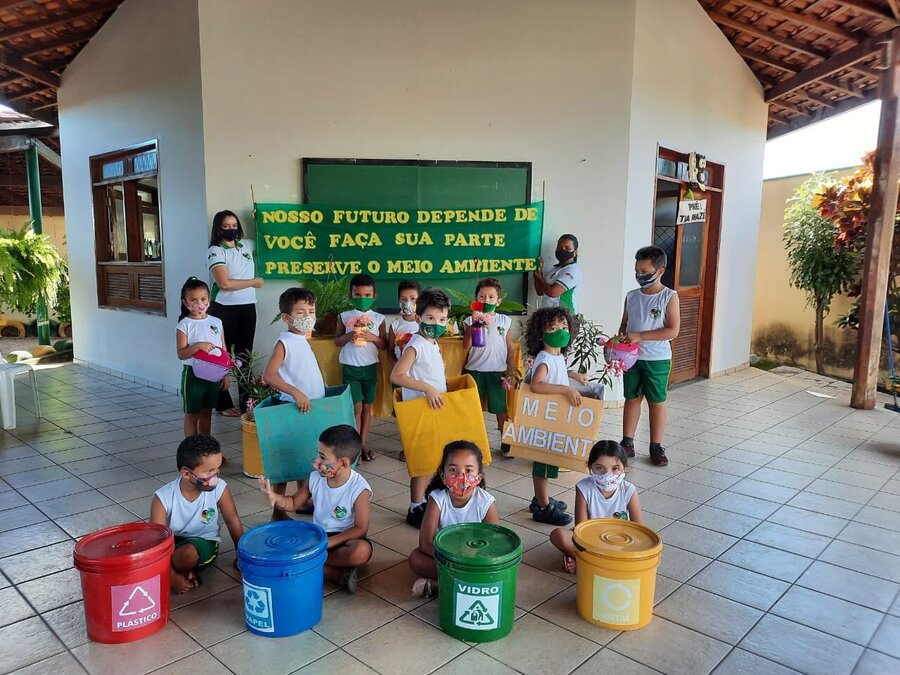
[456, 495]
[603, 494]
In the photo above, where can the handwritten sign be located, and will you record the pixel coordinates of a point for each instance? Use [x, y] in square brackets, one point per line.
[547, 428]
[691, 211]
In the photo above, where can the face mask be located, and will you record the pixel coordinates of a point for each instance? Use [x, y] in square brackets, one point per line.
[559, 338]
[207, 484]
[362, 304]
[408, 307]
[488, 307]
[303, 324]
[645, 279]
[607, 481]
[462, 483]
[198, 307]
[325, 470]
[563, 255]
[229, 235]
[432, 330]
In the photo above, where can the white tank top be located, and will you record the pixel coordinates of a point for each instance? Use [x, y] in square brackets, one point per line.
[647, 311]
[428, 367]
[400, 326]
[556, 368]
[599, 506]
[473, 512]
[300, 368]
[492, 357]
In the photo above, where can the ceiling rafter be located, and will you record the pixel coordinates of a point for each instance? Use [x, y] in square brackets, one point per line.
[800, 19]
[57, 19]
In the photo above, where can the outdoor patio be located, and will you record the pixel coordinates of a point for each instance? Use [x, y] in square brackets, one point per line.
[780, 514]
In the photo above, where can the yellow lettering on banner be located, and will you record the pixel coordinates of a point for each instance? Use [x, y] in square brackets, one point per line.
[293, 217]
[500, 215]
[269, 240]
[422, 217]
[474, 239]
[359, 240]
[409, 266]
[283, 268]
[529, 213]
[267, 217]
[270, 267]
[413, 239]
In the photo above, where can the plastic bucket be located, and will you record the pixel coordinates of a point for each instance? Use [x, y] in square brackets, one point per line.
[616, 572]
[477, 567]
[283, 564]
[252, 459]
[125, 580]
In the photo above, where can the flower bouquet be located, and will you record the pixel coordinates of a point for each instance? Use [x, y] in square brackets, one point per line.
[359, 326]
[619, 355]
[481, 319]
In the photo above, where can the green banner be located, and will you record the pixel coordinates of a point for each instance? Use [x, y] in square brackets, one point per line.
[301, 241]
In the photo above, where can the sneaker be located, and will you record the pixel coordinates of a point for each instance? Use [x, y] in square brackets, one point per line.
[658, 457]
[504, 451]
[415, 515]
[562, 506]
[628, 448]
[551, 515]
[350, 580]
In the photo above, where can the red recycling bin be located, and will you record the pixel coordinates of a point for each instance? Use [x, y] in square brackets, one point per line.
[125, 580]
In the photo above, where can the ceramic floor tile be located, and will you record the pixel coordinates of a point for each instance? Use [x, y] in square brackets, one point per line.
[337, 661]
[886, 500]
[692, 607]
[474, 661]
[828, 614]
[68, 623]
[763, 490]
[20, 516]
[863, 559]
[849, 585]
[743, 504]
[671, 648]
[214, 581]
[560, 610]
[13, 466]
[714, 479]
[80, 524]
[608, 661]
[876, 663]
[347, 617]
[878, 538]
[547, 558]
[27, 642]
[38, 562]
[216, 618]
[53, 590]
[72, 504]
[678, 487]
[201, 663]
[394, 585]
[727, 522]
[61, 664]
[766, 560]
[789, 539]
[887, 639]
[56, 489]
[826, 505]
[31, 537]
[740, 662]
[76, 454]
[37, 477]
[15, 608]
[123, 492]
[782, 478]
[697, 539]
[160, 649]
[665, 505]
[408, 644]
[838, 490]
[681, 565]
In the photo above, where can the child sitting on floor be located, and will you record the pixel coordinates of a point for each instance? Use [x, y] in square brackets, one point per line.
[456, 495]
[190, 507]
[341, 499]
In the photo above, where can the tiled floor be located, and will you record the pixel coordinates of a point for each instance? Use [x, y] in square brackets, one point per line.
[780, 513]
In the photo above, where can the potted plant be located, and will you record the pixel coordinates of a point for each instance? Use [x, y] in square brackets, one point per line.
[465, 305]
[257, 389]
[64, 307]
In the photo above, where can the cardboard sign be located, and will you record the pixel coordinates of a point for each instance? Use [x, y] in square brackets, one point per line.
[547, 428]
[691, 211]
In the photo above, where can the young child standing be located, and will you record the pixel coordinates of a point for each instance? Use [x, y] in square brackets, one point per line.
[405, 325]
[420, 371]
[546, 337]
[487, 365]
[359, 352]
[652, 319]
[292, 368]
[603, 494]
[190, 506]
[456, 495]
[341, 498]
[197, 331]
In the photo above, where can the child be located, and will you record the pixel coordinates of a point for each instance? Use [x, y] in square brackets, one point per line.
[359, 352]
[197, 331]
[341, 498]
[456, 495]
[190, 506]
[487, 365]
[420, 371]
[405, 325]
[603, 494]
[651, 319]
[546, 337]
[292, 368]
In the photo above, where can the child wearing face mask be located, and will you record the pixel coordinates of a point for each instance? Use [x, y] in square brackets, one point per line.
[341, 498]
[603, 494]
[292, 368]
[456, 495]
[190, 506]
[405, 325]
[652, 319]
[197, 331]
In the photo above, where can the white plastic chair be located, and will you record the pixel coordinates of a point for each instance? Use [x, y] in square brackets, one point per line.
[8, 374]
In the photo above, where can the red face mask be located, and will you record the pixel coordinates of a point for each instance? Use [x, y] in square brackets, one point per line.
[462, 483]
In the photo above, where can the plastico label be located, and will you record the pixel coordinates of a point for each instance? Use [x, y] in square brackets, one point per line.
[135, 605]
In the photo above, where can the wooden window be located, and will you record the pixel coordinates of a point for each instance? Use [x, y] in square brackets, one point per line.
[128, 230]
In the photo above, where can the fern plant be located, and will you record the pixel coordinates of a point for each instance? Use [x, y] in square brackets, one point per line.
[460, 308]
[31, 269]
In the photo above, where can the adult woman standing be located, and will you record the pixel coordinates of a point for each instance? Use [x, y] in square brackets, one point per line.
[559, 287]
[230, 260]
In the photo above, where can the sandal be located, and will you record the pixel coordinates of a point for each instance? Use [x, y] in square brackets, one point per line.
[231, 412]
[569, 564]
[425, 588]
[367, 455]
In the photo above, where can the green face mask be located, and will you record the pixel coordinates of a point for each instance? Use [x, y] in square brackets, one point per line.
[488, 308]
[362, 304]
[559, 338]
[432, 330]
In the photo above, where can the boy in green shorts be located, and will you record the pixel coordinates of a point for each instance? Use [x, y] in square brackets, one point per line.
[651, 320]
[360, 336]
[190, 506]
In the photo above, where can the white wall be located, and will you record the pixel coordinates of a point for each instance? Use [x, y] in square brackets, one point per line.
[692, 92]
[138, 79]
[515, 80]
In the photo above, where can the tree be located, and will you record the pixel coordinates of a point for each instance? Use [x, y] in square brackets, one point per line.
[818, 266]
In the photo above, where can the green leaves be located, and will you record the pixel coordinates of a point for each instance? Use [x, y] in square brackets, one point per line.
[30, 269]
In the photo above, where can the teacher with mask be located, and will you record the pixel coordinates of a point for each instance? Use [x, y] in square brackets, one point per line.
[559, 286]
[230, 260]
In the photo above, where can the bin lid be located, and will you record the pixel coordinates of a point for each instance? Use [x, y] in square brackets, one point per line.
[120, 545]
[282, 543]
[477, 544]
[616, 538]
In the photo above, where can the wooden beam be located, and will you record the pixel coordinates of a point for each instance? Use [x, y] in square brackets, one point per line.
[830, 66]
[820, 114]
[28, 92]
[824, 102]
[65, 40]
[801, 19]
[724, 20]
[895, 8]
[867, 8]
[57, 19]
[761, 57]
[17, 65]
[879, 237]
[789, 106]
[21, 180]
[839, 86]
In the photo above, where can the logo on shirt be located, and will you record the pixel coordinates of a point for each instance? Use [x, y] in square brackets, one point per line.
[621, 515]
[656, 312]
[211, 256]
[339, 513]
[247, 256]
[207, 515]
[214, 330]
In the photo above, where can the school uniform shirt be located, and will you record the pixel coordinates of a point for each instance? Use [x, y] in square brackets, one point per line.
[364, 355]
[492, 357]
[557, 372]
[599, 506]
[401, 326]
[473, 512]
[428, 367]
[238, 260]
[334, 506]
[199, 518]
[569, 276]
[647, 311]
[201, 330]
[300, 368]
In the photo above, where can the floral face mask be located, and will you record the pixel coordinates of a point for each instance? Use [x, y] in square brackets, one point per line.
[461, 484]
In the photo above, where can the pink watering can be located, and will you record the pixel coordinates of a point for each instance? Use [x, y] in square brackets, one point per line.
[213, 366]
[626, 352]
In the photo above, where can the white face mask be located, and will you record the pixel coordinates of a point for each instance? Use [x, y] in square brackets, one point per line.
[408, 307]
[303, 324]
[608, 481]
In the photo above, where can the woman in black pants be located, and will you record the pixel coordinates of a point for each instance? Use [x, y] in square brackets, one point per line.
[230, 260]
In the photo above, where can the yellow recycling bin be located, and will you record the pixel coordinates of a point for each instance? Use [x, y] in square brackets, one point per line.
[616, 572]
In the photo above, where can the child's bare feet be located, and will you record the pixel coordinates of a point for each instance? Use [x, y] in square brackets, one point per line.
[569, 564]
[182, 582]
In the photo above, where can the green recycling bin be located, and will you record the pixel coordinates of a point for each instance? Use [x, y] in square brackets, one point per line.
[477, 568]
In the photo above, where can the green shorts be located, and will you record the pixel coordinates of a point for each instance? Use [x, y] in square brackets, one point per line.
[490, 388]
[541, 470]
[206, 549]
[649, 379]
[363, 381]
[198, 394]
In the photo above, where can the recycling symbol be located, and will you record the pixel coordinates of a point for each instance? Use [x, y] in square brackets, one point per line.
[477, 615]
[137, 603]
[255, 603]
